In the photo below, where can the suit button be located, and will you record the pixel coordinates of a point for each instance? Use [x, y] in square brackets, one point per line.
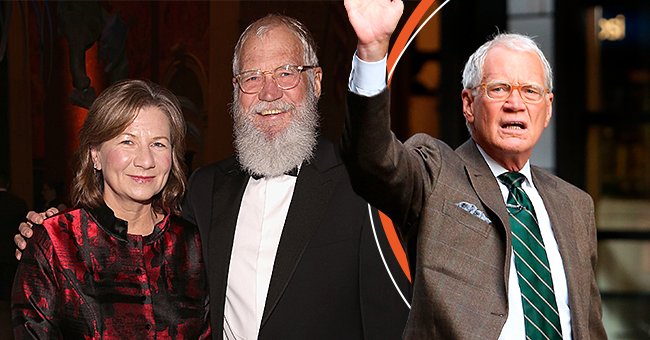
[147, 327]
[138, 271]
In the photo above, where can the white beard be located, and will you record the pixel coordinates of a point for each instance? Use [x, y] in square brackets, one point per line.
[272, 155]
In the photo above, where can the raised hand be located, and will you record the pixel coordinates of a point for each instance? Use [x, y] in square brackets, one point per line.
[25, 228]
[373, 21]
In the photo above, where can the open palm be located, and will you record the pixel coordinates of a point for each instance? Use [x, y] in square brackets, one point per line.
[374, 20]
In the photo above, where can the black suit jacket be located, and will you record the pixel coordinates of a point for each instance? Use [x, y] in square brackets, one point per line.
[329, 280]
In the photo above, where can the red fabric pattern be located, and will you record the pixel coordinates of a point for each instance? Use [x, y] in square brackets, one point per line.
[82, 276]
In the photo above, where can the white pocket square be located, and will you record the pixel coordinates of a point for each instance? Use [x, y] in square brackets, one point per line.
[472, 209]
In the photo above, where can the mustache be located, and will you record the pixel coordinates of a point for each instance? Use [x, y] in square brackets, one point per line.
[275, 105]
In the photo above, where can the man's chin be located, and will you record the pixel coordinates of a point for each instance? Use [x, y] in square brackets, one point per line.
[271, 131]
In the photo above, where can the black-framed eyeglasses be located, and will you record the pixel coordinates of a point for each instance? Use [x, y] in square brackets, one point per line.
[530, 93]
[285, 76]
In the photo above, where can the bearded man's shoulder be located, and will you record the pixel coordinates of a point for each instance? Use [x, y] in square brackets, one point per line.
[225, 165]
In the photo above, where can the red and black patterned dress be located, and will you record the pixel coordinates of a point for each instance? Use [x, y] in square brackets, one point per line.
[83, 276]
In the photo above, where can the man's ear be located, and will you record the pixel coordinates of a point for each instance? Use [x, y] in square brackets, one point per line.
[549, 109]
[468, 108]
[318, 77]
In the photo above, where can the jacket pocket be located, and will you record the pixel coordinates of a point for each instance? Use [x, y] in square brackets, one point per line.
[475, 223]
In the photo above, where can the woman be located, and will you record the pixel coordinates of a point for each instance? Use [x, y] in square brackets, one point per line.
[121, 264]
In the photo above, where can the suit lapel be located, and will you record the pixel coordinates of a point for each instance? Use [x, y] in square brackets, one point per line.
[228, 190]
[311, 196]
[483, 180]
[560, 215]
[488, 191]
[562, 221]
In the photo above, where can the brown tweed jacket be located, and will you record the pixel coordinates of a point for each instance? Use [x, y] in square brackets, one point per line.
[462, 261]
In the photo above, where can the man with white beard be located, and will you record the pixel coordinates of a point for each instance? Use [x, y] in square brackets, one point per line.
[291, 251]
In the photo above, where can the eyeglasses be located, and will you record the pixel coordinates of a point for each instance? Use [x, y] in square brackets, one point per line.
[501, 91]
[286, 77]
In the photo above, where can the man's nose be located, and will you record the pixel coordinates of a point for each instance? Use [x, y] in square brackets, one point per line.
[270, 91]
[515, 102]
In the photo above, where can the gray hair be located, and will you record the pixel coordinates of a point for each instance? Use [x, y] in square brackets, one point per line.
[265, 24]
[473, 72]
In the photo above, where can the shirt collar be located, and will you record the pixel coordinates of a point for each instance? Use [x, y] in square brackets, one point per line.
[293, 172]
[497, 169]
[117, 227]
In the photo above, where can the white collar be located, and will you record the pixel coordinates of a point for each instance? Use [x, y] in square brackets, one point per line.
[497, 169]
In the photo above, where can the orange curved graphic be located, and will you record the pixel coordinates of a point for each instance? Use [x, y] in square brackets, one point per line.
[405, 33]
[395, 244]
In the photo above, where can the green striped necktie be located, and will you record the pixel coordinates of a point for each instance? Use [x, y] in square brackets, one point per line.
[541, 317]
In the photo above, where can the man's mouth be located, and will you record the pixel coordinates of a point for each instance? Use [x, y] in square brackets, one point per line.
[514, 125]
[270, 112]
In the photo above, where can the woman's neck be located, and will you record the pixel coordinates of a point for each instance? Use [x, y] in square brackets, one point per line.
[143, 224]
[141, 218]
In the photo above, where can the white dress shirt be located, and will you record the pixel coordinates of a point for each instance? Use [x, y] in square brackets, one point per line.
[259, 227]
[514, 327]
[362, 83]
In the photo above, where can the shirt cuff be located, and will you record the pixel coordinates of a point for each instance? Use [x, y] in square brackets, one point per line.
[367, 78]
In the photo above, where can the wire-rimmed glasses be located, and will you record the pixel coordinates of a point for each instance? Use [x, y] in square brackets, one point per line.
[285, 76]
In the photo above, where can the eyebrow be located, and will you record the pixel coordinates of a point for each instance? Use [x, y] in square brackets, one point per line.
[272, 69]
[162, 137]
[508, 82]
[134, 136]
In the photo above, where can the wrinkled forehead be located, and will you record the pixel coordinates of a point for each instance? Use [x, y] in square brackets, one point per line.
[274, 47]
[513, 65]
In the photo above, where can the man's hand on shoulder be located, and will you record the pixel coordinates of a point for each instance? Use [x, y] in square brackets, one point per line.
[25, 228]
